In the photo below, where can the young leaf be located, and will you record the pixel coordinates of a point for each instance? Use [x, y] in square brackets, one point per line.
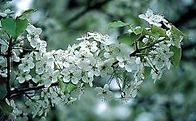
[177, 36]
[69, 88]
[117, 24]
[14, 27]
[66, 88]
[127, 38]
[61, 85]
[26, 13]
[175, 59]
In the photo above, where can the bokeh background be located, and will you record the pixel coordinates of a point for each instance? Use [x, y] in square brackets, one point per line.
[173, 98]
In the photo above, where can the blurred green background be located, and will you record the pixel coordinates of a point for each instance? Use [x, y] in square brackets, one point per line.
[173, 98]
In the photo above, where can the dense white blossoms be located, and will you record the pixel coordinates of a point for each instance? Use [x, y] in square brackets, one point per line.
[61, 75]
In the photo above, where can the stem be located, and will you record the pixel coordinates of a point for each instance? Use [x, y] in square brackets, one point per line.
[8, 55]
[144, 48]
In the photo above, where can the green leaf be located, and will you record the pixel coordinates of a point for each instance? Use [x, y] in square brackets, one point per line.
[117, 24]
[5, 109]
[21, 25]
[158, 31]
[70, 87]
[175, 59]
[138, 30]
[66, 87]
[127, 38]
[9, 26]
[26, 13]
[61, 85]
[14, 27]
[147, 71]
[177, 36]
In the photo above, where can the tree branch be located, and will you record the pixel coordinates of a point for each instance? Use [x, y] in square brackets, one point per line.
[8, 57]
[17, 92]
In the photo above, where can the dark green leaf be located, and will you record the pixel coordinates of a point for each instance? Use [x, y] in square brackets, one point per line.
[127, 38]
[158, 31]
[117, 24]
[175, 59]
[9, 26]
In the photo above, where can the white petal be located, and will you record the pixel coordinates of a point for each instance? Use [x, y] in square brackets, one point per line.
[20, 79]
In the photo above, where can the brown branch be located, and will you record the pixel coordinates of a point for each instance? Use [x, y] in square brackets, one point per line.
[17, 92]
[8, 57]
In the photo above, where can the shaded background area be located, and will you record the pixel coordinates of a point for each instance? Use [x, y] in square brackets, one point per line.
[173, 98]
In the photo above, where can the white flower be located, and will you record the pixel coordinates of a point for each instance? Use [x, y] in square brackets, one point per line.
[104, 39]
[145, 40]
[73, 76]
[129, 63]
[137, 60]
[105, 67]
[15, 57]
[23, 76]
[27, 63]
[104, 92]
[49, 77]
[37, 79]
[40, 67]
[153, 19]
[42, 46]
[3, 14]
[33, 30]
[130, 30]
[33, 38]
[34, 41]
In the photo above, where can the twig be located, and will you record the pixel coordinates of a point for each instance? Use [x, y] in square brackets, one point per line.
[144, 48]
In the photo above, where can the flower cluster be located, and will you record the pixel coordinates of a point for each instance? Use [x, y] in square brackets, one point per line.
[154, 19]
[60, 74]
